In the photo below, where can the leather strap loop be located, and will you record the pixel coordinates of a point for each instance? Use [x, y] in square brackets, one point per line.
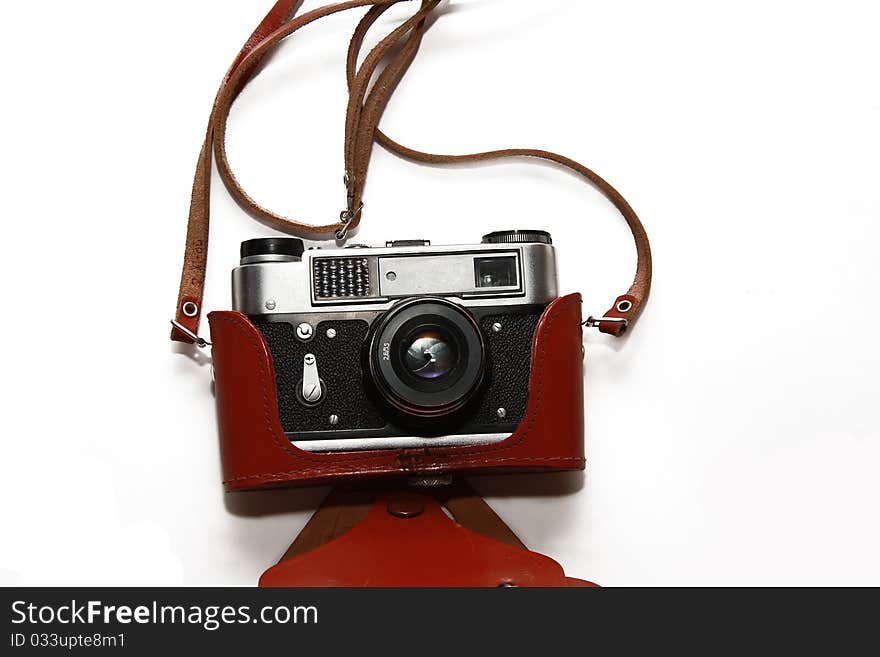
[365, 107]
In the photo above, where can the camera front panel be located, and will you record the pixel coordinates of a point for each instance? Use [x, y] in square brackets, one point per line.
[351, 411]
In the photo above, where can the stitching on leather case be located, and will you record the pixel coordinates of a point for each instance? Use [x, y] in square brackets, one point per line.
[521, 459]
[340, 466]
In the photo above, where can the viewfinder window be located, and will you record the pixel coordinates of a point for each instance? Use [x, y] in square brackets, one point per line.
[495, 272]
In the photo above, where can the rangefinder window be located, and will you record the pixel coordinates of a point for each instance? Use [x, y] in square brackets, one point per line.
[495, 272]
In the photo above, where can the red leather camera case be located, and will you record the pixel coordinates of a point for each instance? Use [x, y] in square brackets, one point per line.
[256, 453]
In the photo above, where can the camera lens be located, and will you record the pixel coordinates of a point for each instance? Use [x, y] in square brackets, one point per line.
[430, 355]
[426, 358]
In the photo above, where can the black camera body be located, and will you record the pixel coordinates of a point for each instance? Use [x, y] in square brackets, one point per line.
[401, 346]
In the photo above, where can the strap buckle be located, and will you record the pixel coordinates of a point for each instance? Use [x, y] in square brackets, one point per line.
[593, 322]
[200, 342]
[350, 213]
[346, 217]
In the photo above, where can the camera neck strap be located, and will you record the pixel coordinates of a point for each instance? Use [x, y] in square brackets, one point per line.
[367, 100]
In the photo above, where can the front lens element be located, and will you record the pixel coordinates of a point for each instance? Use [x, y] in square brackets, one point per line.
[430, 355]
[426, 359]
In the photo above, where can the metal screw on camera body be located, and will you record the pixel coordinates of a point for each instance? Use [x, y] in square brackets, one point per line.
[305, 331]
[313, 393]
[270, 304]
[496, 327]
[334, 420]
[501, 413]
[331, 333]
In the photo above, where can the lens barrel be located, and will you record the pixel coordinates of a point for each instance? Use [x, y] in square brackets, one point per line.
[426, 358]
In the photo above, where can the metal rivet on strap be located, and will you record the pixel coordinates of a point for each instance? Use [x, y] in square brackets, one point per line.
[624, 306]
[405, 506]
[190, 309]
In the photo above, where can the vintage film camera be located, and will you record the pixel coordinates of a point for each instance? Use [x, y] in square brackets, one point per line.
[406, 361]
[404, 346]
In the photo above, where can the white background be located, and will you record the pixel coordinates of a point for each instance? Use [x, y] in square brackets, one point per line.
[732, 438]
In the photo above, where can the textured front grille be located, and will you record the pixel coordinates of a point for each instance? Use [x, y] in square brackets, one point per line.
[341, 277]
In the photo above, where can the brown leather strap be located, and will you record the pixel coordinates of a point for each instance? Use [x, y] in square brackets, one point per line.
[627, 306]
[276, 26]
[365, 107]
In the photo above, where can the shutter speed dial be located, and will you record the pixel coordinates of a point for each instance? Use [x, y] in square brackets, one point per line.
[271, 249]
[517, 237]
